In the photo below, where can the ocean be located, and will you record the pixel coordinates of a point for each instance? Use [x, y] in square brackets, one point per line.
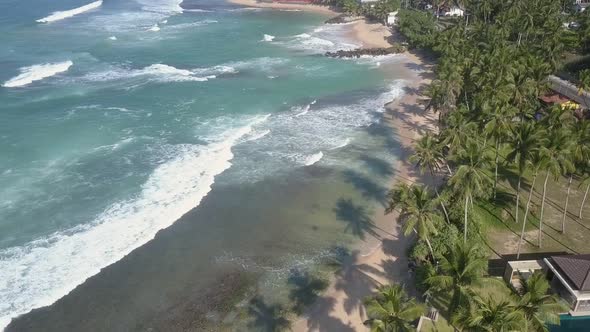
[162, 159]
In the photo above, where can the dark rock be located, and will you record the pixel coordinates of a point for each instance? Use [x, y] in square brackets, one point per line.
[356, 53]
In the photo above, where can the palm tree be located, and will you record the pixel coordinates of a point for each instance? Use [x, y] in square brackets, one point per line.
[580, 153]
[489, 315]
[461, 268]
[537, 161]
[497, 127]
[470, 179]
[418, 211]
[526, 140]
[557, 152]
[586, 181]
[429, 155]
[539, 307]
[392, 310]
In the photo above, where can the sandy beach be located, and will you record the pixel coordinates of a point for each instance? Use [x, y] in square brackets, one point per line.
[340, 308]
[285, 6]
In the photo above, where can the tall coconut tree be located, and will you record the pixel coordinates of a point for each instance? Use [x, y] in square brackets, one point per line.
[526, 139]
[497, 128]
[556, 150]
[461, 269]
[580, 154]
[470, 180]
[537, 162]
[585, 182]
[429, 156]
[540, 308]
[418, 211]
[392, 310]
[489, 315]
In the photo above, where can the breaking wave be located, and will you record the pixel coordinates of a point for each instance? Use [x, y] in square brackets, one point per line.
[57, 16]
[37, 72]
[34, 275]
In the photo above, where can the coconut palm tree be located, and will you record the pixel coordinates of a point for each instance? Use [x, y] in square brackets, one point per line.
[526, 139]
[461, 268]
[429, 156]
[557, 152]
[489, 315]
[470, 180]
[586, 182]
[537, 162]
[418, 211]
[539, 307]
[497, 128]
[392, 310]
[580, 153]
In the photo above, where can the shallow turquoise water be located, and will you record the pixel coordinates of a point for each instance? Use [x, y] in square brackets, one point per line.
[116, 122]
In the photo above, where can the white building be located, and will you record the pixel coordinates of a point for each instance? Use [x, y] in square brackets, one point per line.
[454, 11]
[392, 18]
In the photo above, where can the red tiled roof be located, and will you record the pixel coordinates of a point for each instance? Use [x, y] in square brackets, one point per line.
[554, 98]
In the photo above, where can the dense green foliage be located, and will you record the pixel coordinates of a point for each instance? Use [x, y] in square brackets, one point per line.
[391, 310]
[491, 70]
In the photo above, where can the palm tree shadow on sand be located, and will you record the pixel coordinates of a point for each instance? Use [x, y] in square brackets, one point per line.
[268, 317]
[357, 219]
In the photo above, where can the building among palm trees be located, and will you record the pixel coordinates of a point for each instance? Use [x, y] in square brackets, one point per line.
[581, 5]
[569, 276]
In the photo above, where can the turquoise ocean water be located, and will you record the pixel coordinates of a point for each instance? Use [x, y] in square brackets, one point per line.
[120, 117]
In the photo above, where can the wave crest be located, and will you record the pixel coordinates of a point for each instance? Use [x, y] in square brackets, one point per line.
[37, 72]
[57, 16]
[34, 275]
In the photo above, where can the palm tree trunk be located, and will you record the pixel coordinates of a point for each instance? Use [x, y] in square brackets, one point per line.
[517, 198]
[584, 201]
[567, 199]
[449, 169]
[438, 196]
[526, 212]
[427, 242]
[496, 168]
[443, 206]
[542, 209]
[465, 226]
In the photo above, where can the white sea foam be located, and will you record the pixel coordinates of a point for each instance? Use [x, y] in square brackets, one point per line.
[154, 28]
[314, 158]
[37, 72]
[341, 145]
[57, 16]
[302, 111]
[161, 6]
[113, 38]
[268, 38]
[164, 22]
[42, 271]
[322, 39]
[257, 135]
[156, 72]
[197, 10]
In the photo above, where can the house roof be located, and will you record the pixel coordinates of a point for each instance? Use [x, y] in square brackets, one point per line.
[576, 268]
[554, 98]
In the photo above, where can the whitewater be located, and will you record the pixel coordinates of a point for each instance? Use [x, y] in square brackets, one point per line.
[34, 73]
[60, 15]
[34, 275]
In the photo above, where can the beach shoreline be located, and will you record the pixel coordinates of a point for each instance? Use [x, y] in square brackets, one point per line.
[340, 307]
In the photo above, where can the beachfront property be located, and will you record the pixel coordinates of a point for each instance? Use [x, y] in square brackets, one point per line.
[581, 5]
[568, 275]
[454, 11]
[392, 18]
[567, 96]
